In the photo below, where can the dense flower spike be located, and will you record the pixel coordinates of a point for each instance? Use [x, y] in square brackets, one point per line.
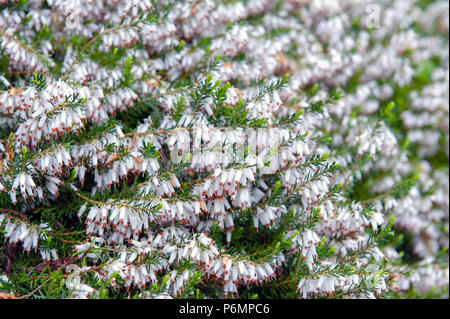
[162, 149]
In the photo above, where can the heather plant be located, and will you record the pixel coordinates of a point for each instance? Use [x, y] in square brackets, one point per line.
[211, 149]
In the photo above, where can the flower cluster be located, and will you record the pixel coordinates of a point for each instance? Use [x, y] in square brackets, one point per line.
[206, 148]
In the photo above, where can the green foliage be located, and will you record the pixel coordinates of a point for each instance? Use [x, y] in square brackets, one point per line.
[198, 96]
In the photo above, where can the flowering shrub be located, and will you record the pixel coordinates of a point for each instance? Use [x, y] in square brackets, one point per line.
[209, 149]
